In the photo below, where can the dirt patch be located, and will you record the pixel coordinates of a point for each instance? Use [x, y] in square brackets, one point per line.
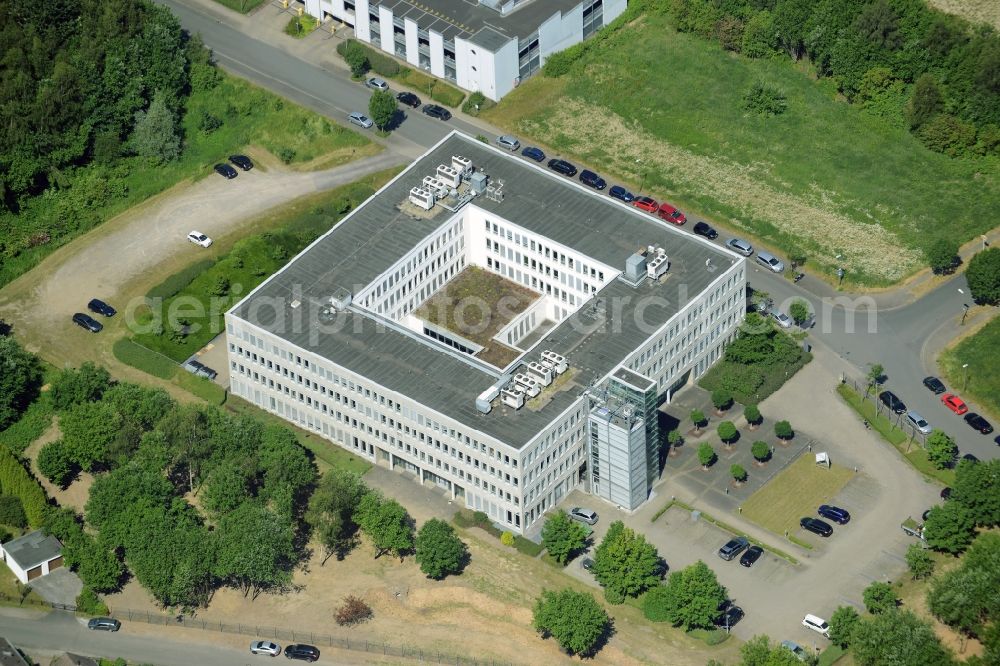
[977, 11]
[75, 496]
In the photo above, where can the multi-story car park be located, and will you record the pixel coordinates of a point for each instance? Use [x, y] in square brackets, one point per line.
[624, 310]
[488, 46]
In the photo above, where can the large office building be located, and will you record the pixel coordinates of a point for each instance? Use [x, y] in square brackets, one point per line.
[492, 327]
[486, 46]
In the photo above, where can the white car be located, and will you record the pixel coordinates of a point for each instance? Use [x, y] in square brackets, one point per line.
[817, 624]
[784, 321]
[360, 120]
[265, 647]
[377, 84]
[199, 238]
[918, 422]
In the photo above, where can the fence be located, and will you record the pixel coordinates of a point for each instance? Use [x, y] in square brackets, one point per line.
[292, 636]
[24, 601]
[896, 421]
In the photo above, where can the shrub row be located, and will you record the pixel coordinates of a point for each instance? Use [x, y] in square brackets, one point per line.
[377, 62]
[482, 521]
[361, 58]
[16, 480]
[28, 428]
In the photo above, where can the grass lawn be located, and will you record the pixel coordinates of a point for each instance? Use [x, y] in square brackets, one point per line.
[301, 26]
[10, 590]
[824, 178]
[437, 90]
[982, 352]
[795, 492]
[241, 6]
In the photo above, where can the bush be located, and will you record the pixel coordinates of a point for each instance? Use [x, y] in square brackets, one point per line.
[173, 284]
[12, 512]
[983, 275]
[20, 434]
[56, 464]
[477, 103]
[88, 603]
[738, 473]
[208, 123]
[286, 154]
[764, 100]
[353, 611]
[655, 604]
[942, 255]
[799, 311]
[17, 481]
[354, 54]
[507, 539]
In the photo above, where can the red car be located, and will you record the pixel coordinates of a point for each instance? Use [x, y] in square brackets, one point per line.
[671, 214]
[645, 203]
[954, 403]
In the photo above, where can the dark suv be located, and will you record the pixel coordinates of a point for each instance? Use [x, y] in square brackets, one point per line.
[816, 526]
[563, 167]
[934, 384]
[87, 322]
[703, 229]
[435, 111]
[834, 513]
[733, 548]
[302, 652]
[978, 423]
[890, 400]
[242, 161]
[591, 179]
[100, 307]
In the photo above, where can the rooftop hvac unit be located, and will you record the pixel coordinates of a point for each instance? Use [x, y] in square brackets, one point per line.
[449, 175]
[556, 361]
[527, 384]
[478, 182]
[513, 399]
[540, 372]
[421, 197]
[437, 186]
[462, 165]
[485, 399]
[635, 267]
[657, 265]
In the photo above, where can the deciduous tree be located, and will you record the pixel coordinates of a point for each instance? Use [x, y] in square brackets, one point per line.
[74, 386]
[706, 454]
[439, 551]
[382, 106]
[563, 537]
[331, 511]
[738, 473]
[760, 450]
[625, 563]
[919, 561]
[950, 528]
[941, 254]
[254, 549]
[879, 598]
[842, 624]
[983, 276]
[976, 488]
[574, 619]
[897, 637]
[20, 379]
[941, 449]
[727, 431]
[691, 598]
[55, 464]
[386, 523]
[783, 430]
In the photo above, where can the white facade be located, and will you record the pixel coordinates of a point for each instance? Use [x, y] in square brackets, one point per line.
[32, 556]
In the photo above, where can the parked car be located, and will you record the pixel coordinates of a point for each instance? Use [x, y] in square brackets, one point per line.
[583, 515]
[225, 170]
[918, 422]
[508, 142]
[970, 458]
[200, 369]
[741, 246]
[265, 647]
[533, 153]
[817, 624]
[795, 649]
[784, 321]
[954, 403]
[731, 615]
[104, 624]
[671, 214]
[587, 563]
[242, 161]
[934, 384]
[703, 229]
[620, 193]
[834, 513]
[945, 493]
[376, 83]
[769, 261]
[435, 111]
[302, 652]
[892, 401]
[591, 179]
[199, 238]
[645, 203]
[752, 555]
[361, 120]
[978, 423]
[87, 322]
[733, 547]
[408, 99]
[816, 526]
[563, 167]
[101, 308]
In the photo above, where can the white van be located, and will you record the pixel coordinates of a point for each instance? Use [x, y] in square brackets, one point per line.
[817, 624]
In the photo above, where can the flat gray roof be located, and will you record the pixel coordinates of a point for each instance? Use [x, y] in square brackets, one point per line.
[463, 18]
[377, 234]
[32, 549]
[9, 656]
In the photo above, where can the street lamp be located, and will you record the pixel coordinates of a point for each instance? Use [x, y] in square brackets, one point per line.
[965, 385]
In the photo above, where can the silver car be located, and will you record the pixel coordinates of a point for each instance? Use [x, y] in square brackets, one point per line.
[377, 84]
[784, 321]
[583, 515]
[741, 246]
[361, 120]
[508, 142]
[265, 647]
[918, 422]
[770, 261]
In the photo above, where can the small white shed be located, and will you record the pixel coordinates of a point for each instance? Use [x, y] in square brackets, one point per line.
[32, 555]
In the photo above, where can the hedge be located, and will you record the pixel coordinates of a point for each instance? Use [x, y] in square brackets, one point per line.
[35, 420]
[173, 284]
[137, 356]
[16, 480]
[388, 67]
[482, 521]
[379, 63]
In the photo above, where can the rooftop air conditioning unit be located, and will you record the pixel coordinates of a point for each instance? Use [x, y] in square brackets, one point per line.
[422, 198]
[556, 361]
[658, 265]
[513, 399]
[462, 165]
[438, 187]
[527, 384]
[449, 175]
[540, 372]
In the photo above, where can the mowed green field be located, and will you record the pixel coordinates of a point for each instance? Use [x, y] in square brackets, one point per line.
[982, 352]
[664, 110]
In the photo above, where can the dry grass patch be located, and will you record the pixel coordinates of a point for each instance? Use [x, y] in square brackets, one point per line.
[977, 11]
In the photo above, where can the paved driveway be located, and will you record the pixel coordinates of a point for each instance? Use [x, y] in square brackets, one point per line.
[62, 586]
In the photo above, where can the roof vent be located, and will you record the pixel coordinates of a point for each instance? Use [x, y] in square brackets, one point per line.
[478, 182]
[341, 298]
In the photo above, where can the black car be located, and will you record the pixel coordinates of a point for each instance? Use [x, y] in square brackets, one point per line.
[563, 167]
[435, 111]
[703, 229]
[730, 616]
[100, 307]
[979, 423]
[591, 179]
[935, 385]
[834, 513]
[890, 400]
[242, 161]
[87, 322]
[816, 526]
[971, 458]
[225, 170]
[534, 153]
[945, 493]
[752, 555]
[409, 99]
[302, 652]
[587, 563]
[733, 548]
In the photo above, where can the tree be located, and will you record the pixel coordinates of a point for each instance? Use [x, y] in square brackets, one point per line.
[675, 439]
[874, 376]
[727, 432]
[221, 286]
[88, 430]
[842, 624]
[76, 386]
[879, 598]
[706, 454]
[759, 38]
[255, 549]
[919, 561]
[154, 135]
[942, 253]
[752, 414]
[722, 399]
[386, 523]
[574, 619]
[738, 473]
[897, 637]
[563, 537]
[941, 449]
[355, 56]
[925, 102]
[331, 511]
[227, 487]
[697, 419]
[760, 451]
[382, 107]
[949, 528]
[20, 379]
[783, 430]
[691, 598]
[975, 488]
[55, 464]
[439, 551]
[625, 563]
[12, 512]
[983, 276]
[799, 311]
[758, 651]
[965, 597]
